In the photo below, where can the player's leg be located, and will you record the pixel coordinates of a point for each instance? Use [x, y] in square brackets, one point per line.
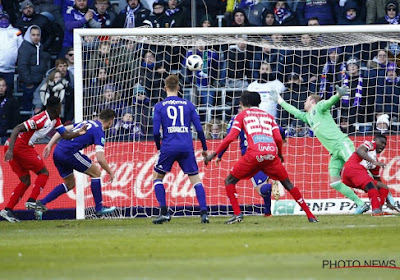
[277, 171]
[95, 185]
[164, 165]
[7, 213]
[40, 182]
[69, 184]
[260, 183]
[187, 162]
[335, 166]
[230, 186]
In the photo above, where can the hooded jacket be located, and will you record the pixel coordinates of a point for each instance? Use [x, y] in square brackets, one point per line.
[11, 40]
[32, 61]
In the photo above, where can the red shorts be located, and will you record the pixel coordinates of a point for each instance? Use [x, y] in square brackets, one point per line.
[25, 158]
[250, 164]
[356, 177]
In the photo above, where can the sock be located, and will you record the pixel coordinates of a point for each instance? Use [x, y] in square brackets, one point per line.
[391, 199]
[56, 192]
[347, 192]
[40, 182]
[160, 193]
[16, 196]
[96, 191]
[265, 190]
[299, 199]
[201, 196]
[383, 193]
[231, 191]
[373, 195]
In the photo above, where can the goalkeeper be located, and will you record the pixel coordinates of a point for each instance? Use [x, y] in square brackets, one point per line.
[338, 144]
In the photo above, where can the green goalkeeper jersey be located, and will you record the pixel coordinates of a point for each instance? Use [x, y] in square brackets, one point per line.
[321, 122]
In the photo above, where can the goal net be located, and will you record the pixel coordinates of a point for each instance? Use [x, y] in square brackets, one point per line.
[124, 69]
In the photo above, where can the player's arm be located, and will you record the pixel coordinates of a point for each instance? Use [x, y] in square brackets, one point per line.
[362, 151]
[13, 137]
[103, 163]
[276, 134]
[200, 132]
[340, 91]
[289, 108]
[156, 128]
[56, 137]
[70, 134]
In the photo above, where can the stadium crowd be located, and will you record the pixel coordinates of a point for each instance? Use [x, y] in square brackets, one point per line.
[37, 52]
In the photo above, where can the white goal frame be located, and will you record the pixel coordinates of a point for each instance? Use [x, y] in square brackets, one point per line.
[293, 30]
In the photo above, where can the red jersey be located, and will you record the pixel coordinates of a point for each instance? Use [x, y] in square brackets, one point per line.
[37, 127]
[262, 132]
[355, 161]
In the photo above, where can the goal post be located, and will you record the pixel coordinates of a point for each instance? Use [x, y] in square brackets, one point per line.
[130, 64]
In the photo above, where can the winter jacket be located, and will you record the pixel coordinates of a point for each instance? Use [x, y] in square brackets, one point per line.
[76, 19]
[9, 113]
[32, 61]
[11, 39]
[325, 10]
[141, 14]
[342, 17]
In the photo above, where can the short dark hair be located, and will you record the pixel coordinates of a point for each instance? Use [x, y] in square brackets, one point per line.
[52, 102]
[250, 98]
[107, 114]
[172, 82]
[60, 61]
[382, 136]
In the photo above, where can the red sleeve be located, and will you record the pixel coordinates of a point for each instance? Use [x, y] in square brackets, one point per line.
[277, 137]
[58, 123]
[375, 171]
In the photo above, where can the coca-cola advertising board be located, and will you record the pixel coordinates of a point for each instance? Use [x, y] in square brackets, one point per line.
[305, 159]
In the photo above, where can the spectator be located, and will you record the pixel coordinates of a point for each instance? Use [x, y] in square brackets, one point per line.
[350, 14]
[383, 123]
[325, 10]
[392, 13]
[353, 105]
[374, 10]
[240, 19]
[69, 56]
[158, 19]
[254, 10]
[99, 57]
[177, 14]
[11, 40]
[264, 85]
[9, 111]
[78, 17]
[269, 18]
[60, 66]
[56, 85]
[313, 21]
[206, 21]
[346, 127]
[126, 129]
[49, 10]
[153, 74]
[96, 84]
[298, 128]
[377, 66]
[214, 129]
[105, 16]
[29, 17]
[32, 65]
[210, 7]
[132, 16]
[332, 72]
[283, 14]
[65, 6]
[109, 99]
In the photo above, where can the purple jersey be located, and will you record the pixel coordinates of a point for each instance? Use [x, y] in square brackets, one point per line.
[175, 115]
[93, 136]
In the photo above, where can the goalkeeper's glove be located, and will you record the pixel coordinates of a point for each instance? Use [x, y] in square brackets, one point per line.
[273, 95]
[344, 90]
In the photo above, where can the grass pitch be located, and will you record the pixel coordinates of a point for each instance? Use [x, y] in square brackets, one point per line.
[285, 247]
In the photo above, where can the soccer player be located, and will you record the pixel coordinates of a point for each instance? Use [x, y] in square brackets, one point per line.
[67, 158]
[175, 116]
[264, 153]
[338, 144]
[356, 172]
[260, 181]
[22, 156]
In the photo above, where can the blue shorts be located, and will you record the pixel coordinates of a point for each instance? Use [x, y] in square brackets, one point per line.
[187, 162]
[67, 163]
[259, 179]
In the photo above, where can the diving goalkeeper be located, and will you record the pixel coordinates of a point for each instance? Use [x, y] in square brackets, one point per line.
[338, 144]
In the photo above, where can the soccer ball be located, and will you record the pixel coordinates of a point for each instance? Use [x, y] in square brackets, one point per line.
[194, 62]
